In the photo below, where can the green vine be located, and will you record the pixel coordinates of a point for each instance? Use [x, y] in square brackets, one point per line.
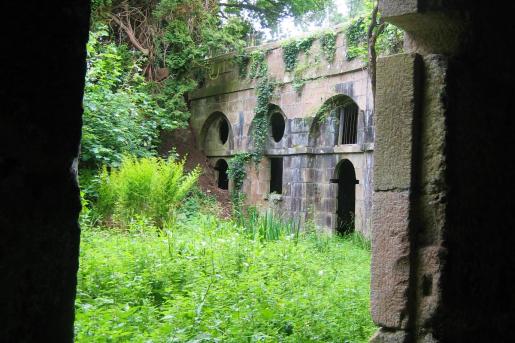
[292, 48]
[237, 171]
[252, 65]
[242, 61]
[328, 45]
[264, 92]
[258, 67]
[237, 168]
[299, 81]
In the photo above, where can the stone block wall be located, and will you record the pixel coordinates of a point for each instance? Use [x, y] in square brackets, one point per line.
[308, 147]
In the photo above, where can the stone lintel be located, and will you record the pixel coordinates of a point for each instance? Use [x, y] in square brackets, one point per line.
[430, 27]
[396, 8]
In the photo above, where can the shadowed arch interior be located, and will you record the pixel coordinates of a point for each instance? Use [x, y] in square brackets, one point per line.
[223, 131]
[277, 126]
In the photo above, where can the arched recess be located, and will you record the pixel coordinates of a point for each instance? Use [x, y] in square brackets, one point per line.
[221, 171]
[216, 135]
[272, 127]
[345, 176]
[335, 123]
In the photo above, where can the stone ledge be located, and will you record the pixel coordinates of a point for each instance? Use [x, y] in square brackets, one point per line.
[348, 148]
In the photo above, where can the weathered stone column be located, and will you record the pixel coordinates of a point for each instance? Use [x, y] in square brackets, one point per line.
[443, 214]
[410, 186]
[392, 209]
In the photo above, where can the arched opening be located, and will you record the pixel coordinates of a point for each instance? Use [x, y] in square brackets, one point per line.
[216, 135]
[223, 130]
[346, 198]
[222, 177]
[335, 123]
[277, 126]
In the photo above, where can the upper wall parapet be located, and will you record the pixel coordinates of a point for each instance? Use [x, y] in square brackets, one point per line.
[230, 73]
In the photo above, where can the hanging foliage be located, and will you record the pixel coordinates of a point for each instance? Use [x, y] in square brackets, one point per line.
[328, 45]
[292, 48]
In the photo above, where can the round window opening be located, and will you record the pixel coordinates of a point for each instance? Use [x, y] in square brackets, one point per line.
[277, 124]
[223, 131]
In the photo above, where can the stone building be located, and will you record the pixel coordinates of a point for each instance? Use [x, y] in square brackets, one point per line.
[443, 231]
[319, 150]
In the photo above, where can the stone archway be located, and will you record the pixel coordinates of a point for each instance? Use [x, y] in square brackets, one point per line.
[216, 136]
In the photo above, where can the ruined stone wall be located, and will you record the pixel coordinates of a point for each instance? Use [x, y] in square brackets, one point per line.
[308, 148]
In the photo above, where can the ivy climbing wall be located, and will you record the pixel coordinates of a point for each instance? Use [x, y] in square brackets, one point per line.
[304, 80]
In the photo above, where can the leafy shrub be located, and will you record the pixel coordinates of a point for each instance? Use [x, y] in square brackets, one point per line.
[121, 116]
[151, 187]
[356, 39]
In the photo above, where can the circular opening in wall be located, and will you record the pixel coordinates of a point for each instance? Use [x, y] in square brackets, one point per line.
[223, 131]
[277, 124]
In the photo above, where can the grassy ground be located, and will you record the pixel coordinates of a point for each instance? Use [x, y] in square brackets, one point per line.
[208, 280]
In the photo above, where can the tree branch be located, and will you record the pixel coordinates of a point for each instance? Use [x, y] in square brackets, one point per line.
[130, 34]
[249, 7]
[374, 30]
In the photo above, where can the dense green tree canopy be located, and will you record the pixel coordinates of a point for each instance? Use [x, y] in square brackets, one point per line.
[145, 55]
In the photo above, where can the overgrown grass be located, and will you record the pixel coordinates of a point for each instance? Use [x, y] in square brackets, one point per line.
[207, 280]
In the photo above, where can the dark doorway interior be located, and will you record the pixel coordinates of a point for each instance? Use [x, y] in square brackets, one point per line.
[276, 175]
[223, 179]
[346, 197]
[223, 130]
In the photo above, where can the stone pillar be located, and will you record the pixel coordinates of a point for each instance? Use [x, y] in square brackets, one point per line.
[442, 242]
[392, 206]
[410, 188]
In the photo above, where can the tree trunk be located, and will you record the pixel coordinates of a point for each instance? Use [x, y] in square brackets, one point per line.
[374, 30]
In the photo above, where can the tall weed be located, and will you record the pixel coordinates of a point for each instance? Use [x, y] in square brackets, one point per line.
[268, 226]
